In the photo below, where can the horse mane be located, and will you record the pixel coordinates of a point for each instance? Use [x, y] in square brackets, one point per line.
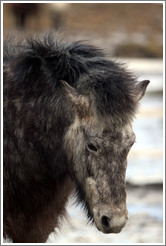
[45, 60]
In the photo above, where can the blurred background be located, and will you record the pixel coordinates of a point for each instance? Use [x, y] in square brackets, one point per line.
[131, 33]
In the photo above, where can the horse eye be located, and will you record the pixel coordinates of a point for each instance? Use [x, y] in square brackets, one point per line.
[92, 147]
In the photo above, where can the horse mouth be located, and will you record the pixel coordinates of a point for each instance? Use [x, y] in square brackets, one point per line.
[112, 224]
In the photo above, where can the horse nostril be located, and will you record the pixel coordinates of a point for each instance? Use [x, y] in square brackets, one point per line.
[112, 223]
[105, 221]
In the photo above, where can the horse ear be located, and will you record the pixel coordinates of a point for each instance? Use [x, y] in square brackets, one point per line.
[80, 102]
[141, 88]
[70, 92]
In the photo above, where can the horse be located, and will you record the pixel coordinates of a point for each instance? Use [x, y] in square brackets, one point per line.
[68, 111]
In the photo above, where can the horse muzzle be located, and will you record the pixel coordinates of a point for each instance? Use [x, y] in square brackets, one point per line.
[110, 223]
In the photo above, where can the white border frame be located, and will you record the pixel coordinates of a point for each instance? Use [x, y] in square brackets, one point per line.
[162, 2]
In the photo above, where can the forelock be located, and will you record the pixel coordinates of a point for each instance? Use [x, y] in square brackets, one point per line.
[84, 67]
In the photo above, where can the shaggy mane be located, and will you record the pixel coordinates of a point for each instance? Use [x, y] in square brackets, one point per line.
[37, 62]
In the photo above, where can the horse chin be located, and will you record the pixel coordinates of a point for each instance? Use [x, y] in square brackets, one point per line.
[118, 230]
